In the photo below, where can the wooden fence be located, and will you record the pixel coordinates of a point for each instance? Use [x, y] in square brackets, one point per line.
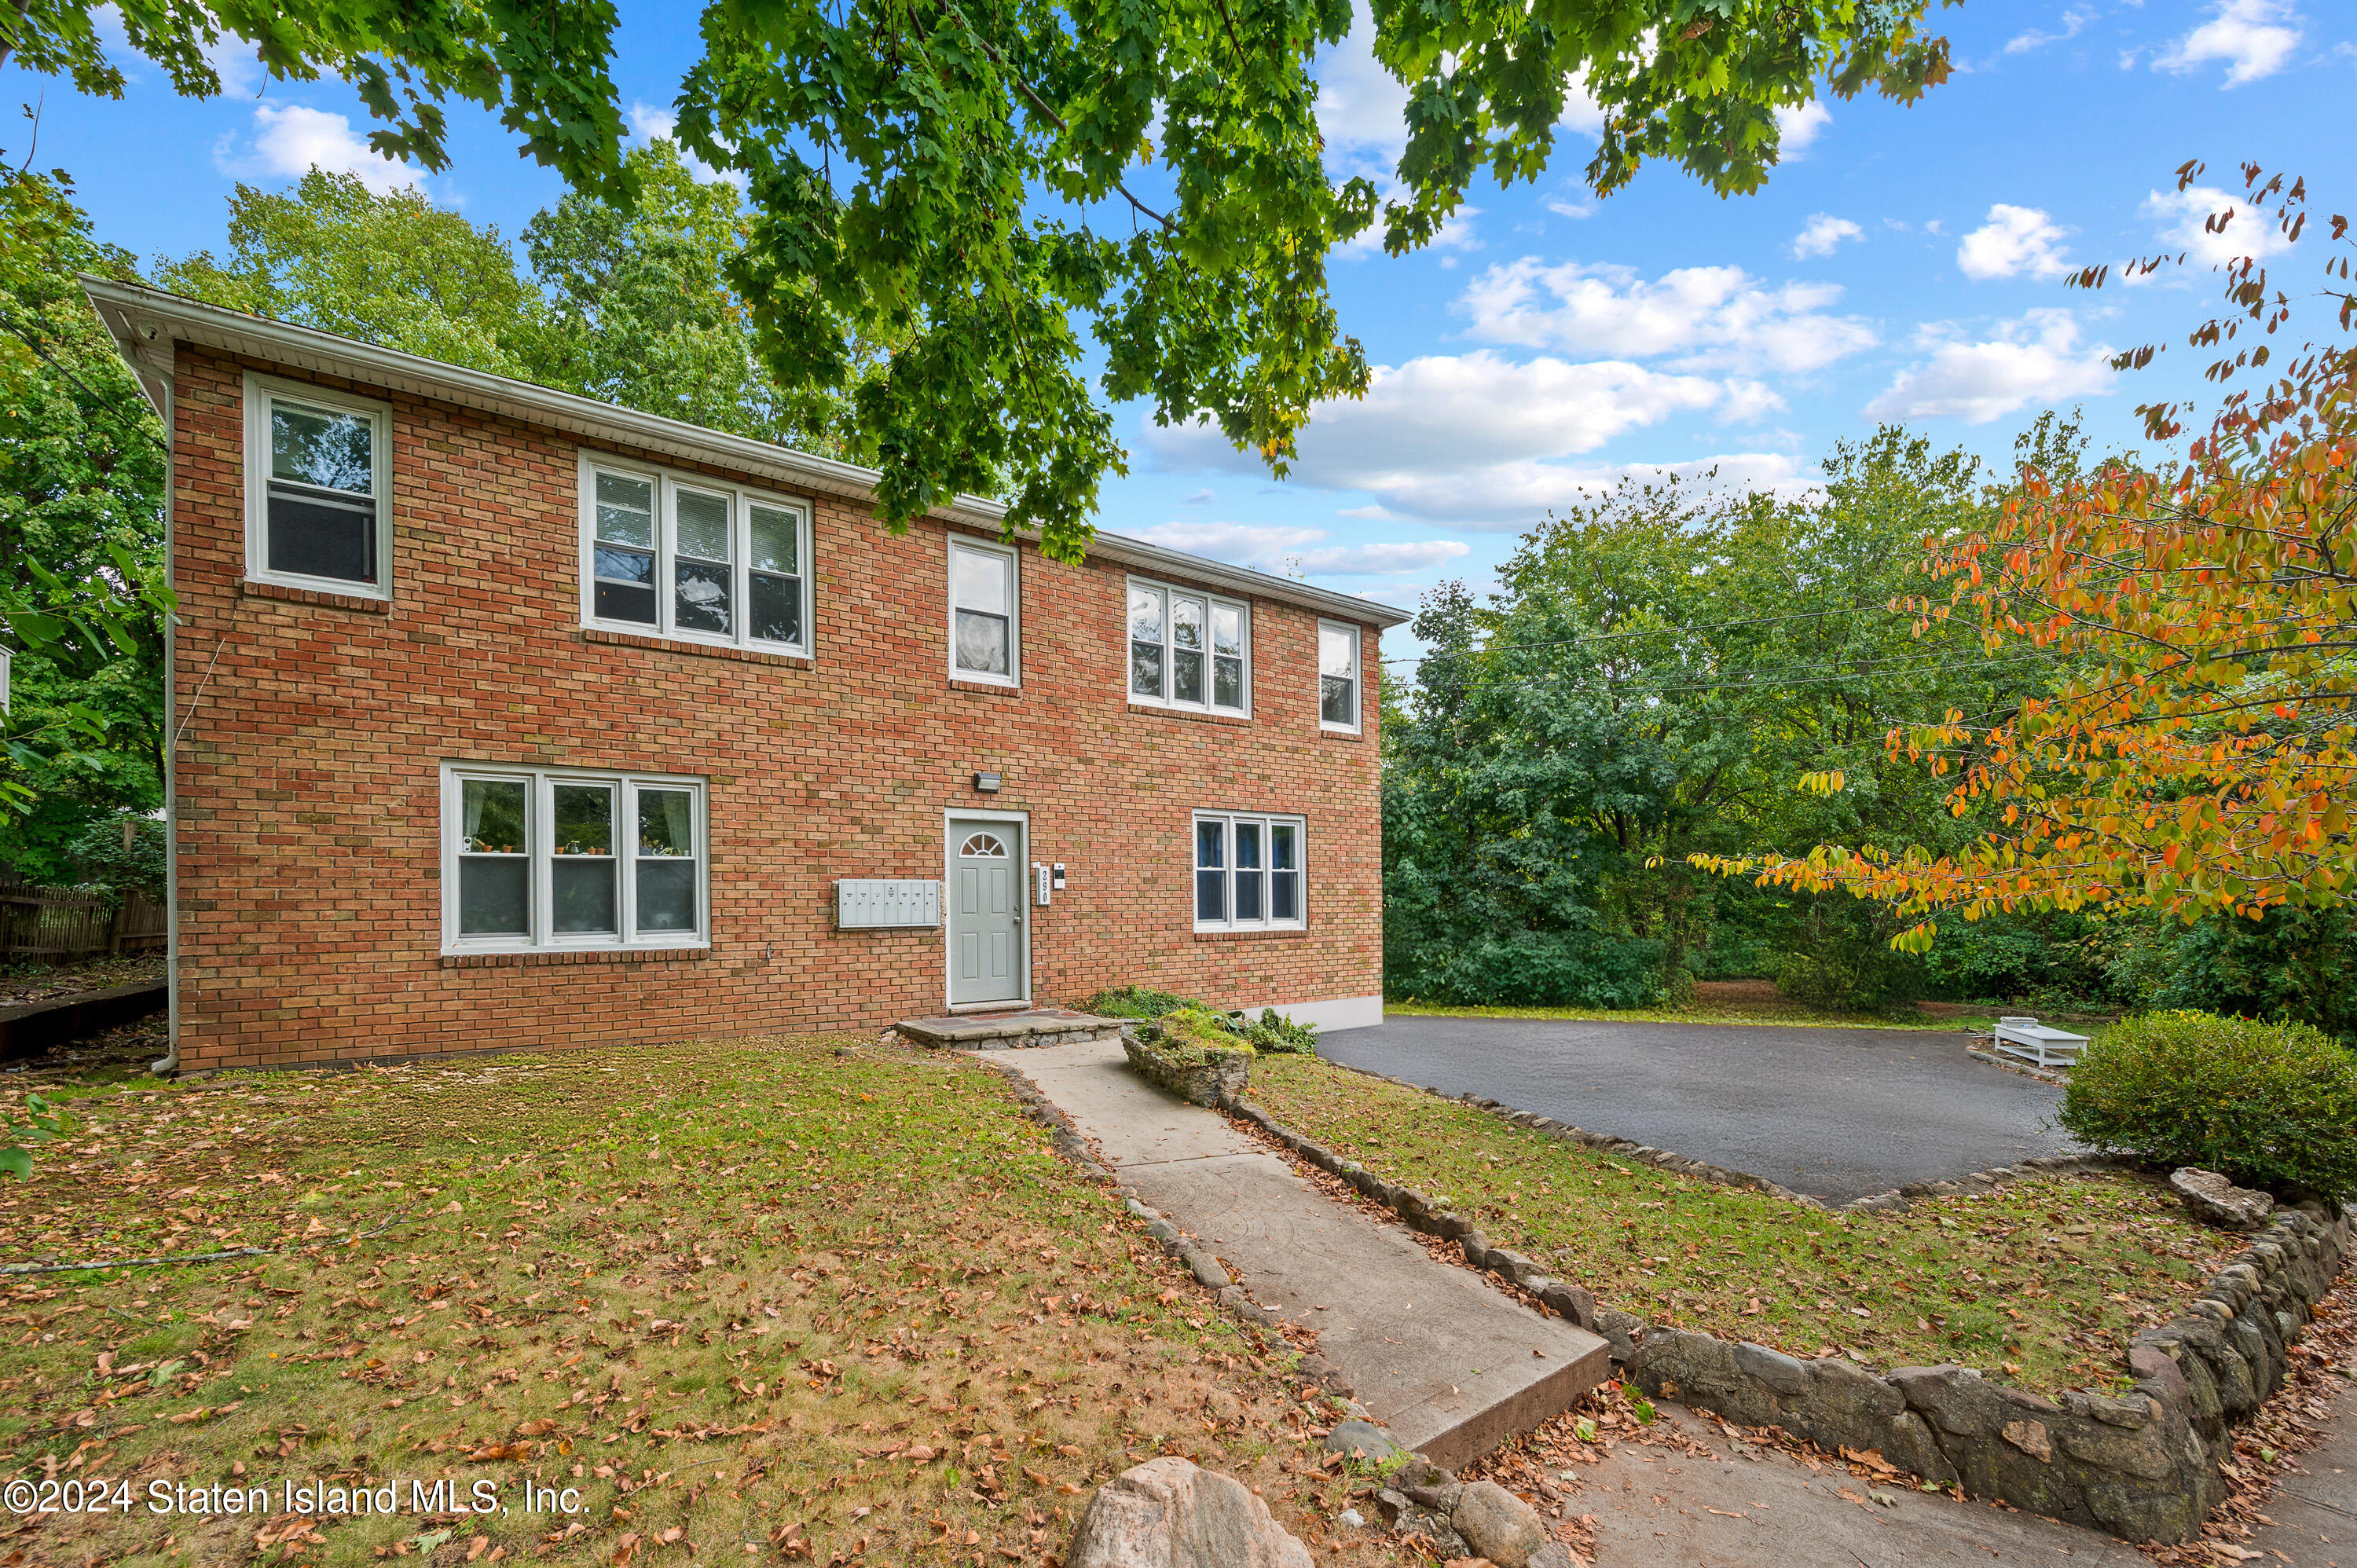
[57, 924]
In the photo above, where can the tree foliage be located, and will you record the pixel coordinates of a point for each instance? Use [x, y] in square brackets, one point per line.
[638, 307]
[629, 305]
[1657, 671]
[958, 190]
[2199, 750]
[391, 269]
[81, 580]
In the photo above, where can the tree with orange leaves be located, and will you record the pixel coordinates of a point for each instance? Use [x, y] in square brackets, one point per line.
[2199, 752]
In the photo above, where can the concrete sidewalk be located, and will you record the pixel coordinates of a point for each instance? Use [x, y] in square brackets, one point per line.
[1451, 1366]
[2314, 1506]
[1746, 1507]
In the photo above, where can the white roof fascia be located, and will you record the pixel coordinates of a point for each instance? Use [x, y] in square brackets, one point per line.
[145, 323]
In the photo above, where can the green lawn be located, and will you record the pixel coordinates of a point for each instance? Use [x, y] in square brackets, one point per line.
[752, 1301]
[2041, 1283]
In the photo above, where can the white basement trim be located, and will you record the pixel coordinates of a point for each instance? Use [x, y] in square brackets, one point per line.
[1342, 1013]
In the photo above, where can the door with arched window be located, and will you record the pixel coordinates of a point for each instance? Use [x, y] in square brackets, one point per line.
[989, 959]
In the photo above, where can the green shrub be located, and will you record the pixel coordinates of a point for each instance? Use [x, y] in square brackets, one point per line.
[1856, 980]
[2271, 1105]
[1138, 1002]
[1195, 1032]
[1281, 1035]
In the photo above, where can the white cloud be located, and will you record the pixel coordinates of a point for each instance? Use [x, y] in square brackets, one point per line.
[2184, 218]
[2014, 240]
[1200, 497]
[1581, 112]
[651, 123]
[291, 140]
[1275, 547]
[1797, 128]
[1712, 316]
[1379, 559]
[1823, 234]
[1361, 107]
[2254, 38]
[2074, 22]
[1748, 400]
[2038, 359]
[1473, 439]
[1565, 207]
[1230, 541]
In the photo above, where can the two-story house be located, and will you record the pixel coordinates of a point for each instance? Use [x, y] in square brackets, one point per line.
[501, 716]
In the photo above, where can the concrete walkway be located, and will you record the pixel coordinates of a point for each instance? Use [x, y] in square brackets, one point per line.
[1835, 1114]
[1451, 1366]
[1744, 1507]
[2314, 1505]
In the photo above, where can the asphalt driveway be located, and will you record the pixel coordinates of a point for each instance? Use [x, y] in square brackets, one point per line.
[1836, 1113]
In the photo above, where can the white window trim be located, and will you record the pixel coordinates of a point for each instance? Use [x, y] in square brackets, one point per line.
[1014, 676]
[1358, 680]
[260, 389]
[540, 826]
[1242, 609]
[667, 482]
[1300, 826]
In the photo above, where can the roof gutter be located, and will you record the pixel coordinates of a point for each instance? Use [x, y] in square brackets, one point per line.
[145, 322]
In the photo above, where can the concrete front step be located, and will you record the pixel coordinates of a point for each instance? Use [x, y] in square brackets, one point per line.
[1002, 1031]
[1453, 1367]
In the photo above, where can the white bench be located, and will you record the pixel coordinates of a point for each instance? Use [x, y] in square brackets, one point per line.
[2035, 1042]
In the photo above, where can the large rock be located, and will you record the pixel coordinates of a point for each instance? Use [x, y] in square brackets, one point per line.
[1498, 1525]
[2217, 1201]
[1169, 1513]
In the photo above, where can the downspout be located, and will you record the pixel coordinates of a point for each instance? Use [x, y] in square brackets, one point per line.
[169, 1064]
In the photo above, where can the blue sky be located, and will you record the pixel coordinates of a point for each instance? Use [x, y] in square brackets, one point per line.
[1902, 264]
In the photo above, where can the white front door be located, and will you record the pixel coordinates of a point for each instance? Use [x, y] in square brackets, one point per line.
[988, 959]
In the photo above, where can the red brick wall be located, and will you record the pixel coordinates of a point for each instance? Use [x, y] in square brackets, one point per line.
[307, 772]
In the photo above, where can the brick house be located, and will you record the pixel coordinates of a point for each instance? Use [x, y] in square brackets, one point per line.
[503, 716]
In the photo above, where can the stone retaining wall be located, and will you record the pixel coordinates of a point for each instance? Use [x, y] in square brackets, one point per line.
[2143, 1465]
[1218, 1079]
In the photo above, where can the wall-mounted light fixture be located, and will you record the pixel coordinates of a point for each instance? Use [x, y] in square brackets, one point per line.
[987, 783]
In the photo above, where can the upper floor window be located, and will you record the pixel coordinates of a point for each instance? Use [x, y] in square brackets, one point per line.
[1189, 650]
[318, 467]
[985, 614]
[1338, 676]
[555, 858]
[686, 557]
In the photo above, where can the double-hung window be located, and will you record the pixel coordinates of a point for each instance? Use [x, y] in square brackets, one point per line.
[985, 614]
[675, 556]
[546, 858]
[318, 468]
[1248, 873]
[1189, 650]
[1338, 676]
